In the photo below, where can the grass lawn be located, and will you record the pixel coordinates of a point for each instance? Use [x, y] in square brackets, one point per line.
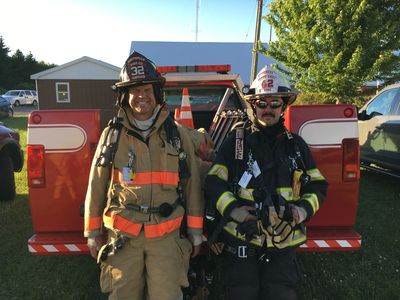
[371, 273]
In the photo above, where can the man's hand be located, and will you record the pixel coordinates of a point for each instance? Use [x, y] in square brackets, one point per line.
[242, 214]
[196, 240]
[299, 214]
[94, 244]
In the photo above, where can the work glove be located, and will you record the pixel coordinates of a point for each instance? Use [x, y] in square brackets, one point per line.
[242, 214]
[196, 240]
[94, 244]
[249, 229]
[247, 222]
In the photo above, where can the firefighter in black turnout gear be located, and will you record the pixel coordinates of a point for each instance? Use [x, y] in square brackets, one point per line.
[264, 185]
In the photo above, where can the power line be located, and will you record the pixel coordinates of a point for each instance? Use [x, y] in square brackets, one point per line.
[251, 20]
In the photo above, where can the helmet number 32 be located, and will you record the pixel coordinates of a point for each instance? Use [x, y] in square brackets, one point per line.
[137, 70]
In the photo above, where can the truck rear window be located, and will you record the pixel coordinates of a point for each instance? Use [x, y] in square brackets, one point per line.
[203, 98]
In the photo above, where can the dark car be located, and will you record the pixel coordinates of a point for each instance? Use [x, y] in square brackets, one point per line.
[379, 129]
[6, 109]
[11, 160]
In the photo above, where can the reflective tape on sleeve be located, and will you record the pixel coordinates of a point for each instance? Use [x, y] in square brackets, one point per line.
[224, 200]
[313, 200]
[315, 175]
[220, 171]
[93, 223]
[195, 222]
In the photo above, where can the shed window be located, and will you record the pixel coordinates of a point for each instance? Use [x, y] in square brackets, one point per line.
[62, 91]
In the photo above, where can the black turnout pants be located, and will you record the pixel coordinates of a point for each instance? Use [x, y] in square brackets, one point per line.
[274, 277]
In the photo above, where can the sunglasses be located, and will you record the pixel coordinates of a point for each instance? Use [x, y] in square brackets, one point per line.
[274, 104]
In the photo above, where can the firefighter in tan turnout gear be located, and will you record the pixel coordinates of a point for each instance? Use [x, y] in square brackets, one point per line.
[144, 185]
[264, 184]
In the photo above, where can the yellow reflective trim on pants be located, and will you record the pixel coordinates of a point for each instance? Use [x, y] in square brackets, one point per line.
[315, 175]
[230, 227]
[220, 171]
[285, 192]
[224, 200]
[246, 194]
[313, 200]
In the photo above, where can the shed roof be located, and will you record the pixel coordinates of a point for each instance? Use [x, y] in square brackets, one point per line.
[81, 68]
[238, 55]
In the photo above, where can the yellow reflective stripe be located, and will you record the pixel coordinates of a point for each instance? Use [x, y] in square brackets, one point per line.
[285, 192]
[246, 194]
[313, 200]
[220, 171]
[315, 175]
[230, 227]
[298, 238]
[224, 200]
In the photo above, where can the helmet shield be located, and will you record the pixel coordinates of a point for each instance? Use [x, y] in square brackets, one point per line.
[270, 82]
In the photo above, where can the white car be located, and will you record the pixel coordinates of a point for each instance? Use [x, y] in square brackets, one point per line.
[21, 97]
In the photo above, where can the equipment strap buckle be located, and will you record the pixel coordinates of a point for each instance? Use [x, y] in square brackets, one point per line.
[144, 209]
[242, 251]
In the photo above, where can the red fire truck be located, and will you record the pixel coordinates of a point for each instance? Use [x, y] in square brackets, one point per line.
[61, 145]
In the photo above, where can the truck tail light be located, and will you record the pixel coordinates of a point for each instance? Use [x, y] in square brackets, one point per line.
[351, 160]
[35, 169]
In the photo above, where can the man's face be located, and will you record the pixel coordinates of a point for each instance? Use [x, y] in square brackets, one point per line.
[142, 101]
[268, 110]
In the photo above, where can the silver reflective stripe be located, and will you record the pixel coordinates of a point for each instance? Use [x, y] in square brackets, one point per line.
[220, 171]
[246, 194]
[313, 200]
[315, 175]
[285, 192]
[224, 200]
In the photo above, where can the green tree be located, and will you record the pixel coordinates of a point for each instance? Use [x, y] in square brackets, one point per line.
[4, 63]
[334, 46]
[15, 71]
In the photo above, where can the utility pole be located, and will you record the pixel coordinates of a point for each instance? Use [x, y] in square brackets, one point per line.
[197, 18]
[255, 44]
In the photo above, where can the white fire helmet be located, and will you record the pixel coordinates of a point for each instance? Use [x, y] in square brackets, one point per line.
[270, 82]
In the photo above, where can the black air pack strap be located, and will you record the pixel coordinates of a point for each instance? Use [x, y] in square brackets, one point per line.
[174, 138]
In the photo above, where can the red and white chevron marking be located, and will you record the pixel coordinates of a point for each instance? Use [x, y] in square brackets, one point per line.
[57, 248]
[316, 245]
[337, 244]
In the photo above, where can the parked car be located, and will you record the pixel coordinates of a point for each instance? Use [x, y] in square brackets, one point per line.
[11, 160]
[379, 129]
[21, 97]
[6, 109]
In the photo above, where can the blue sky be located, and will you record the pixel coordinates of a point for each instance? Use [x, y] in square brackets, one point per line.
[63, 30]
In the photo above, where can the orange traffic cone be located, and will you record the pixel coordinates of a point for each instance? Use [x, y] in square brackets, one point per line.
[186, 110]
[177, 115]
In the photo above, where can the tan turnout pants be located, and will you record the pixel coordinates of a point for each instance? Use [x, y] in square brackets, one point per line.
[151, 269]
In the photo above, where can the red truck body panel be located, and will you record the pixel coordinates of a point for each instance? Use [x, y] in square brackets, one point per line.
[68, 153]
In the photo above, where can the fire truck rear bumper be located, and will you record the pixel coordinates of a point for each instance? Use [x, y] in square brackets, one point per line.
[57, 243]
[338, 239]
[319, 240]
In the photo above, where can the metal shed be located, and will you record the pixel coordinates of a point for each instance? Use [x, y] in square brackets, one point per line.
[238, 55]
[84, 83]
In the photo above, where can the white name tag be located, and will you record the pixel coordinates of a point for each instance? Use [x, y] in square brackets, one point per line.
[244, 181]
[256, 169]
[126, 174]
